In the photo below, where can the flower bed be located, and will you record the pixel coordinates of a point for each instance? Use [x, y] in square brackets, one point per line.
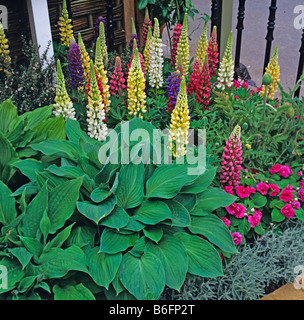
[76, 224]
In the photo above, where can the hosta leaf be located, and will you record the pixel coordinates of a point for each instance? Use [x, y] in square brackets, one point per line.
[72, 292]
[8, 112]
[117, 219]
[204, 260]
[32, 245]
[36, 117]
[53, 127]
[214, 229]
[113, 242]
[14, 274]
[23, 255]
[130, 189]
[7, 205]
[97, 212]
[152, 212]
[180, 215]
[173, 256]
[29, 167]
[62, 203]
[7, 151]
[143, 277]
[102, 266]
[154, 233]
[62, 236]
[167, 181]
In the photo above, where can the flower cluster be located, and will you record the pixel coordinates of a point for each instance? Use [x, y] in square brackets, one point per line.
[63, 104]
[65, 26]
[180, 123]
[97, 25]
[5, 59]
[156, 58]
[175, 40]
[117, 82]
[141, 58]
[146, 52]
[195, 77]
[273, 70]
[134, 36]
[84, 57]
[232, 159]
[226, 70]
[213, 53]
[97, 127]
[75, 65]
[146, 25]
[136, 85]
[282, 170]
[202, 46]
[103, 44]
[173, 84]
[183, 47]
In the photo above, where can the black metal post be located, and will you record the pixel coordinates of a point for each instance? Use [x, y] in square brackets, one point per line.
[110, 25]
[301, 64]
[216, 19]
[240, 28]
[270, 28]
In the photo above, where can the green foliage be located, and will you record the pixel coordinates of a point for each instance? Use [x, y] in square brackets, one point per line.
[74, 228]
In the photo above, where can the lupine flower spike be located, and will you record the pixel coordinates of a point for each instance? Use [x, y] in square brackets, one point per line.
[134, 36]
[203, 94]
[5, 59]
[136, 85]
[273, 69]
[141, 58]
[176, 35]
[97, 24]
[97, 128]
[201, 50]
[65, 26]
[173, 84]
[75, 65]
[147, 50]
[156, 58]
[103, 44]
[213, 53]
[226, 70]
[63, 104]
[84, 57]
[179, 64]
[195, 78]
[183, 46]
[117, 82]
[102, 74]
[180, 123]
[147, 23]
[232, 160]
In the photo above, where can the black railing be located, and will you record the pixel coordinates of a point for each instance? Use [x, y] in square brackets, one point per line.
[216, 14]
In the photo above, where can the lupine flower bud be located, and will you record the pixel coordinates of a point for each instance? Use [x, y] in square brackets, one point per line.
[97, 25]
[117, 82]
[75, 65]
[180, 123]
[173, 84]
[84, 57]
[134, 36]
[63, 104]
[5, 59]
[201, 50]
[147, 50]
[147, 23]
[175, 39]
[183, 47]
[232, 160]
[213, 53]
[103, 45]
[65, 26]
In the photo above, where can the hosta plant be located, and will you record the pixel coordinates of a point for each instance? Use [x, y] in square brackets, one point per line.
[82, 228]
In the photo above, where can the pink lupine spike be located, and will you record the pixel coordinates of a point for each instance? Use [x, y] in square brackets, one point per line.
[117, 82]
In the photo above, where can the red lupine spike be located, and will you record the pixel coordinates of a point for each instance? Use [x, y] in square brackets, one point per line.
[213, 53]
[176, 35]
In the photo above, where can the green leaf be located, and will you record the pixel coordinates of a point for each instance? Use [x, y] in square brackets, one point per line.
[300, 214]
[62, 203]
[173, 256]
[54, 128]
[204, 260]
[102, 266]
[201, 183]
[72, 292]
[7, 152]
[113, 242]
[100, 194]
[97, 212]
[34, 212]
[130, 189]
[142, 4]
[259, 200]
[154, 233]
[82, 236]
[212, 199]
[7, 205]
[180, 215]
[36, 117]
[167, 181]
[29, 167]
[152, 212]
[117, 219]
[8, 112]
[45, 225]
[23, 255]
[62, 236]
[214, 229]
[143, 277]
[276, 215]
[32, 245]
[14, 273]
[58, 262]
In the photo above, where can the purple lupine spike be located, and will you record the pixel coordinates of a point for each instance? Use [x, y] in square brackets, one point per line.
[97, 23]
[173, 84]
[75, 65]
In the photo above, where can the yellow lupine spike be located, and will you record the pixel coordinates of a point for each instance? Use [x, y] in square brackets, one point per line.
[5, 59]
[180, 123]
[273, 69]
[84, 57]
[104, 49]
[65, 26]
[202, 46]
[183, 47]
[147, 49]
